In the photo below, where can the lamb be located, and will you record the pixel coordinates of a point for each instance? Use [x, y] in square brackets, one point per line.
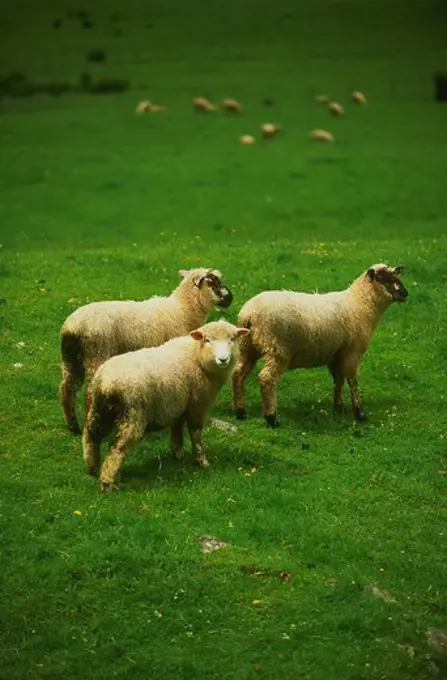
[298, 330]
[151, 389]
[97, 331]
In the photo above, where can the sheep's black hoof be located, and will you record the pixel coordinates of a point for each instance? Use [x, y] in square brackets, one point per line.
[360, 415]
[272, 420]
[241, 414]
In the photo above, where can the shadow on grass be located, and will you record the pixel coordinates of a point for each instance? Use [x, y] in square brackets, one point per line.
[150, 472]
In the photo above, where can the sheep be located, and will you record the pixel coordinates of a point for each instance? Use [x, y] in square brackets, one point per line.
[151, 389]
[143, 107]
[299, 330]
[321, 136]
[247, 139]
[99, 330]
[269, 130]
[203, 105]
[335, 109]
[359, 97]
[232, 106]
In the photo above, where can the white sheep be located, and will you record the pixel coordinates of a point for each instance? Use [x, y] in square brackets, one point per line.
[299, 330]
[97, 331]
[151, 389]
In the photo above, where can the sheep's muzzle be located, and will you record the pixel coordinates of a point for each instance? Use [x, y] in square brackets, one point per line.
[226, 297]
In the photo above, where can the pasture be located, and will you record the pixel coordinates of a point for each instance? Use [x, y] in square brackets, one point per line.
[334, 567]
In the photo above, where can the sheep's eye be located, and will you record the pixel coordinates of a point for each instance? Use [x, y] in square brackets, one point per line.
[207, 341]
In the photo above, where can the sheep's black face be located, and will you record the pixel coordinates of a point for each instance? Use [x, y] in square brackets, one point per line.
[222, 293]
[390, 281]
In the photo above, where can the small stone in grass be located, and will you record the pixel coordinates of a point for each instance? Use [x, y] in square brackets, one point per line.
[223, 425]
[18, 365]
[437, 638]
[210, 543]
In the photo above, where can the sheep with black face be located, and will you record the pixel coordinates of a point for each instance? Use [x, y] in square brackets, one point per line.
[100, 330]
[300, 330]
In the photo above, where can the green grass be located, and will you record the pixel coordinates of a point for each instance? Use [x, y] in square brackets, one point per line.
[97, 203]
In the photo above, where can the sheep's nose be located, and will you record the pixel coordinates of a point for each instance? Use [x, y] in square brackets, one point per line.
[226, 297]
[223, 361]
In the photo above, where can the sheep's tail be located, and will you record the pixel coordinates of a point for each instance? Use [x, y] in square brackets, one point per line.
[72, 353]
[73, 374]
[244, 320]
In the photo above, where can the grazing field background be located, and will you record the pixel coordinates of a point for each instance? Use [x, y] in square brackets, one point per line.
[335, 559]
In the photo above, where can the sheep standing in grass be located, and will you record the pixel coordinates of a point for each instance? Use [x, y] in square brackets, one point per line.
[151, 389]
[100, 330]
[300, 330]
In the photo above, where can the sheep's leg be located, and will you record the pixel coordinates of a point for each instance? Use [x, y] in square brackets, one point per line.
[339, 380]
[195, 432]
[247, 361]
[177, 439]
[71, 383]
[268, 380]
[356, 400]
[240, 375]
[91, 441]
[90, 372]
[128, 433]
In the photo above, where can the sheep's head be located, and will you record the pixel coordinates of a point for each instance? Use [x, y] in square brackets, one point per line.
[388, 279]
[212, 290]
[219, 347]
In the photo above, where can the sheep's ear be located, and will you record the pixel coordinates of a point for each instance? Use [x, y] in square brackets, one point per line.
[399, 269]
[183, 273]
[371, 273]
[216, 272]
[198, 280]
[197, 335]
[242, 331]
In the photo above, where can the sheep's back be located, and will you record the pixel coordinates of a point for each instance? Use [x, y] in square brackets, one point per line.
[110, 328]
[157, 381]
[306, 329]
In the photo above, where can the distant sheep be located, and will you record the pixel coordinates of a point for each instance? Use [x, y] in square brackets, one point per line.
[247, 139]
[94, 333]
[269, 130]
[321, 136]
[203, 105]
[359, 97]
[151, 389]
[336, 109]
[299, 330]
[143, 107]
[232, 106]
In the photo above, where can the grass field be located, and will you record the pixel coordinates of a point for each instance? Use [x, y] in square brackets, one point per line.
[97, 203]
